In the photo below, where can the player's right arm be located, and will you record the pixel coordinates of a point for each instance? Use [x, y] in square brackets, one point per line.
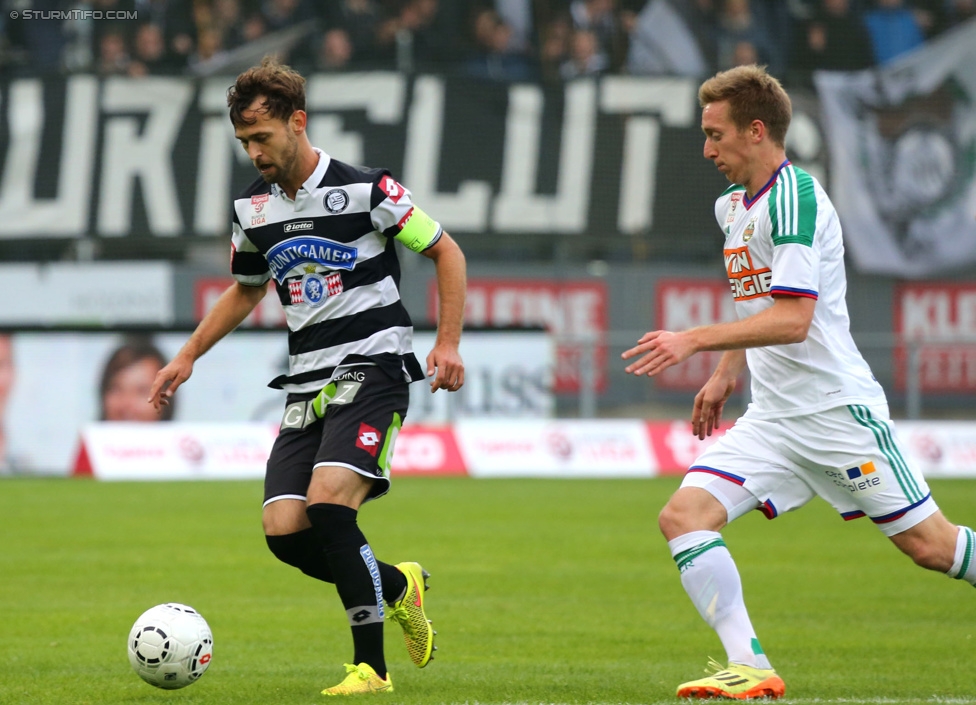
[710, 401]
[231, 309]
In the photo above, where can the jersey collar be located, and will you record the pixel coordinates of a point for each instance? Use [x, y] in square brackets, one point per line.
[311, 183]
[747, 202]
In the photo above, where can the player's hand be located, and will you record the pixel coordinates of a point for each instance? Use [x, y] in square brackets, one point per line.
[444, 364]
[660, 349]
[168, 381]
[709, 403]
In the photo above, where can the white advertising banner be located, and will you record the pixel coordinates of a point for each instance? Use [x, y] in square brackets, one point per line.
[903, 176]
[175, 451]
[940, 448]
[62, 381]
[575, 448]
[506, 374]
[54, 384]
[98, 294]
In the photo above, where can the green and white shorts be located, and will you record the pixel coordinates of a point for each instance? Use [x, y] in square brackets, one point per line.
[848, 455]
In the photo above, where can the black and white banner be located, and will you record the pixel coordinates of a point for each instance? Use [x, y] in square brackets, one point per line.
[156, 157]
[903, 157]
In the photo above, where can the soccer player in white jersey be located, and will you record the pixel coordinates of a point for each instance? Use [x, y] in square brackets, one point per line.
[818, 421]
[325, 232]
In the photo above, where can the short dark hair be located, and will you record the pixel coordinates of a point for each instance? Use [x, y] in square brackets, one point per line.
[282, 88]
[752, 94]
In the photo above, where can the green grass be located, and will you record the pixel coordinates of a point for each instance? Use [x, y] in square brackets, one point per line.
[543, 591]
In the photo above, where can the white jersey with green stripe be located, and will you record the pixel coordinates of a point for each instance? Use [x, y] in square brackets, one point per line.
[786, 241]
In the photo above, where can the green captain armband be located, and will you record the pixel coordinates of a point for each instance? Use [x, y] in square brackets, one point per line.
[418, 230]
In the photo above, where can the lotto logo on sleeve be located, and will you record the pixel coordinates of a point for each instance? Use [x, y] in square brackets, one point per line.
[747, 282]
[393, 190]
[368, 438]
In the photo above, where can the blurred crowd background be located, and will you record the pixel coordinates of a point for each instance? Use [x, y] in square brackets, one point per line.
[503, 40]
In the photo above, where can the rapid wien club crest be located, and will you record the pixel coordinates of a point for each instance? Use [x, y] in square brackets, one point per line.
[750, 229]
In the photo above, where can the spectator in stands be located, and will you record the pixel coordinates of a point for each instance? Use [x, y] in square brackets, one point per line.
[932, 16]
[834, 39]
[349, 40]
[893, 28]
[41, 43]
[209, 49]
[180, 29]
[279, 14]
[554, 47]
[127, 379]
[227, 17]
[416, 36]
[254, 27]
[335, 50]
[663, 43]
[585, 56]
[497, 55]
[599, 18]
[519, 17]
[778, 19]
[738, 24]
[745, 53]
[113, 54]
[960, 10]
[149, 52]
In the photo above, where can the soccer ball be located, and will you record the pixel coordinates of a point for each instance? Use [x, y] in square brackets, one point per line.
[170, 646]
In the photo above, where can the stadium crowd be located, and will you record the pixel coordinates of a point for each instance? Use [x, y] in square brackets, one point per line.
[505, 40]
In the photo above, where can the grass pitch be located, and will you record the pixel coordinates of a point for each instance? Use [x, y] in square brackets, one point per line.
[542, 591]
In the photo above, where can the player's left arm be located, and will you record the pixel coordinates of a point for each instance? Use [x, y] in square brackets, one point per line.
[786, 321]
[395, 214]
[444, 360]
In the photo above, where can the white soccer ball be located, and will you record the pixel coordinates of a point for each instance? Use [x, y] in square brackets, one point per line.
[170, 646]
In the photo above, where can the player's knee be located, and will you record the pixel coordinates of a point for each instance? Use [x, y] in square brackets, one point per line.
[675, 520]
[930, 543]
[287, 549]
[691, 509]
[301, 550]
[927, 553]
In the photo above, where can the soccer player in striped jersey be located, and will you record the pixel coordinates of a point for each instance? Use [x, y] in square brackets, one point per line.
[324, 234]
[818, 420]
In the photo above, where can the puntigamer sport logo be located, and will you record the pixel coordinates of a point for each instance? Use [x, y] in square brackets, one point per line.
[298, 251]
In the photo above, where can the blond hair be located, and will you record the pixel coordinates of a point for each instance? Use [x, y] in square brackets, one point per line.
[752, 94]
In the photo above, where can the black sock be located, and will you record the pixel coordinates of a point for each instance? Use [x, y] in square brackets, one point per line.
[304, 551]
[357, 579]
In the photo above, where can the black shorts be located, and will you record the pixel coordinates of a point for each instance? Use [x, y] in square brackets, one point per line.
[358, 431]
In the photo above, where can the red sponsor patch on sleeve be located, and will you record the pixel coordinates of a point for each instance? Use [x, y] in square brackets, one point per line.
[393, 190]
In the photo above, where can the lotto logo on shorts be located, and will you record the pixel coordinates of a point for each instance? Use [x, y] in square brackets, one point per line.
[368, 439]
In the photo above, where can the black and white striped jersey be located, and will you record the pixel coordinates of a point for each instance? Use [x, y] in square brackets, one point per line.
[332, 256]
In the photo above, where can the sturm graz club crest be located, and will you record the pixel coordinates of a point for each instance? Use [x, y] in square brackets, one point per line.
[335, 201]
[314, 291]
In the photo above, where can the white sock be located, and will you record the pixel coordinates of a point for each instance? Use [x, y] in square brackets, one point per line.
[964, 565]
[712, 581]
